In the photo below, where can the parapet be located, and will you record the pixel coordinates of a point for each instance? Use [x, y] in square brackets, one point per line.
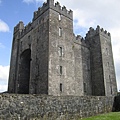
[19, 27]
[50, 4]
[26, 29]
[92, 32]
[80, 40]
[40, 10]
[63, 10]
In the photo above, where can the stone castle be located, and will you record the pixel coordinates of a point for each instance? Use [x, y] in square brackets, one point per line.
[47, 58]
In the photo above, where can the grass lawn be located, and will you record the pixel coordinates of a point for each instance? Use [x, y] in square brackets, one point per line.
[108, 116]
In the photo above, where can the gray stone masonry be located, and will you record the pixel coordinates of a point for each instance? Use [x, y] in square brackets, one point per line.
[42, 107]
[47, 58]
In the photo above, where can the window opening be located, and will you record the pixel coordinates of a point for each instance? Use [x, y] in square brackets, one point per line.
[59, 17]
[110, 84]
[61, 87]
[60, 31]
[61, 70]
[85, 89]
[60, 51]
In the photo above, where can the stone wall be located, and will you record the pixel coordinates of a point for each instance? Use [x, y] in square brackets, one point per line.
[41, 107]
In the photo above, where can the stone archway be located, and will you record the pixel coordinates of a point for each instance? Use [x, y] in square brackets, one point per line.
[24, 72]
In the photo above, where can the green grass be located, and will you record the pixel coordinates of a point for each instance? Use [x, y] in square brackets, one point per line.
[108, 116]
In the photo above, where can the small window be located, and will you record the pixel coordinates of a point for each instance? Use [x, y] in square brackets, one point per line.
[111, 90]
[61, 87]
[85, 88]
[60, 31]
[61, 70]
[60, 51]
[59, 17]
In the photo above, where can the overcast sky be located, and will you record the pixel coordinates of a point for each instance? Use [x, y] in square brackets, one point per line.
[87, 13]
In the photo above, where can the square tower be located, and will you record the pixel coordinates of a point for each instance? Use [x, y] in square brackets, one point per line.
[44, 59]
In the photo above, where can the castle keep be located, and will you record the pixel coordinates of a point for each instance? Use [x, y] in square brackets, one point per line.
[47, 58]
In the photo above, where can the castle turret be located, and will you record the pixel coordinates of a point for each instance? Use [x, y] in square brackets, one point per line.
[102, 65]
[14, 57]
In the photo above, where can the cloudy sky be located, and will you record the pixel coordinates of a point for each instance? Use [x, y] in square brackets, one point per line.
[87, 13]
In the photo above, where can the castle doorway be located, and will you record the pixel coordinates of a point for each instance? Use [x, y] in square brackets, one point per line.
[24, 72]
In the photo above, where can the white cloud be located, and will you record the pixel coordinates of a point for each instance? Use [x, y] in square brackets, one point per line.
[3, 26]
[28, 1]
[4, 72]
[32, 1]
[3, 88]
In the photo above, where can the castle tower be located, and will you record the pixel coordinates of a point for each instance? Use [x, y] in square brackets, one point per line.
[102, 65]
[14, 57]
[61, 55]
[42, 56]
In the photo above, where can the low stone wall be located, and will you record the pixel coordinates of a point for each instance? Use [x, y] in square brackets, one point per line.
[41, 107]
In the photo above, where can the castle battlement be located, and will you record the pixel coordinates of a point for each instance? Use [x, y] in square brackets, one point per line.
[40, 10]
[19, 27]
[26, 29]
[22, 30]
[50, 4]
[98, 30]
[80, 40]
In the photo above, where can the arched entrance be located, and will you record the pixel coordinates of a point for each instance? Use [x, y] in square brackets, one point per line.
[24, 72]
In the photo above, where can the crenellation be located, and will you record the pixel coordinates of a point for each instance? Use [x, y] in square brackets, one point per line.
[78, 37]
[98, 29]
[19, 27]
[40, 11]
[45, 4]
[64, 10]
[26, 29]
[109, 34]
[83, 42]
[50, 4]
[102, 29]
[105, 33]
[70, 12]
[57, 5]
[35, 15]
[93, 32]
[80, 40]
